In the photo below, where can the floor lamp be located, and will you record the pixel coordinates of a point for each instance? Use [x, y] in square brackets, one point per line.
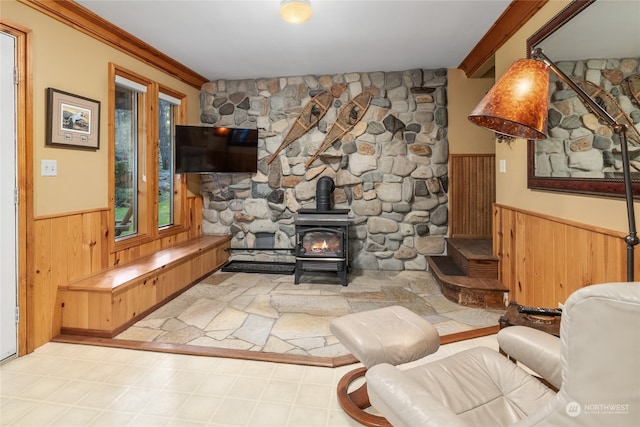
[517, 106]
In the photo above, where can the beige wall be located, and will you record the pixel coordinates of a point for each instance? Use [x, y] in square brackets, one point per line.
[464, 94]
[511, 187]
[68, 60]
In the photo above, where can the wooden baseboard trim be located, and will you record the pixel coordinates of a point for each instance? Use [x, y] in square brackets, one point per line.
[327, 362]
[468, 335]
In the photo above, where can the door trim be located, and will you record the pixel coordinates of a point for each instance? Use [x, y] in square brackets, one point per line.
[24, 141]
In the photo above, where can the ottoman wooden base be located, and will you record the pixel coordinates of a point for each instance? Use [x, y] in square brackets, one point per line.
[354, 403]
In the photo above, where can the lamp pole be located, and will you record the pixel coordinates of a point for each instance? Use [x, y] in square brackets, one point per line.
[619, 128]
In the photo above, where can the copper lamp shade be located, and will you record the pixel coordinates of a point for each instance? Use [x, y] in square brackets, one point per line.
[517, 105]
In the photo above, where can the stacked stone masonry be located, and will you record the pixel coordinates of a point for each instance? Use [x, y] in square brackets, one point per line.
[390, 170]
[580, 145]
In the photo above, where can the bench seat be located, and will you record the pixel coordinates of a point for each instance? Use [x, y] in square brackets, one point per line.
[105, 304]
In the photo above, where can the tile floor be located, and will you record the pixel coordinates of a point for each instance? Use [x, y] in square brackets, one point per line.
[268, 312]
[77, 385]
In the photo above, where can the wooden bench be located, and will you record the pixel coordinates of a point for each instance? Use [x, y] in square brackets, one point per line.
[105, 304]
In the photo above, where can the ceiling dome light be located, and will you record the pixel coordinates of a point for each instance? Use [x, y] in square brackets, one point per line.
[295, 11]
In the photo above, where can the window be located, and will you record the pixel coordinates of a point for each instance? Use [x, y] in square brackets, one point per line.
[167, 111]
[128, 121]
[146, 194]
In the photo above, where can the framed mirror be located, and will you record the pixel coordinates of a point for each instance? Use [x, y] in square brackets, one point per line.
[596, 41]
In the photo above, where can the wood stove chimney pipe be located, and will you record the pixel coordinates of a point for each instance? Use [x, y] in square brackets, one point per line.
[323, 193]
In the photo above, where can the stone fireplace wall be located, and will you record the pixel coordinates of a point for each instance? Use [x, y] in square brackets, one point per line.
[390, 170]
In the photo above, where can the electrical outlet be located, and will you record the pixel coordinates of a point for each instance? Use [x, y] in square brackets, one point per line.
[49, 168]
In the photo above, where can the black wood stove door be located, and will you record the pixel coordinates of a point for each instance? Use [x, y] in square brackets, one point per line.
[321, 242]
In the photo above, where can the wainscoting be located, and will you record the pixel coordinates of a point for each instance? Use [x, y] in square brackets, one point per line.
[472, 191]
[544, 259]
[70, 247]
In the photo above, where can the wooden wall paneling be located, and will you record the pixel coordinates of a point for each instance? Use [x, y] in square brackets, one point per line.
[536, 260]
[59, 268]
[558, 285]
[598, 249]
[92, 242]
[42, 298]
[612, 244]
[456, 192]
[518, 259]
[196, 206]
[168, 241]
[127, 255]
[529, 279]
[544, 259]
[506, 250]
[604, 262]
[498, 237]
[75, 253]
[489, 195]
[104, 239]
[59, 250]
[512, 267]
[471, 194]
[577, 259]
[548, 260]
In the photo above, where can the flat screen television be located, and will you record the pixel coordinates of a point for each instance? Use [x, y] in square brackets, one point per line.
[202, 149]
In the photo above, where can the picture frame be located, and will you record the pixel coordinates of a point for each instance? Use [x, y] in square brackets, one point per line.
[560, 32]
[73, 121]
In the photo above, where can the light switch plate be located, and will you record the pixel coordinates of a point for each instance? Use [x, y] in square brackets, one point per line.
[503, 166]
[49, 167]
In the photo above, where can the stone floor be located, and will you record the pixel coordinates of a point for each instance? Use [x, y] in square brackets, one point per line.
[266, 312]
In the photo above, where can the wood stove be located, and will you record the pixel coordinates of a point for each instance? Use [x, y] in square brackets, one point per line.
[322, 242]
[322, 235]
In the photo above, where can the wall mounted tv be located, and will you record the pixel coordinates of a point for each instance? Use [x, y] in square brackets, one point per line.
[202, 149]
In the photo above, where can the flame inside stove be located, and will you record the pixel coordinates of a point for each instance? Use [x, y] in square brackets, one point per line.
[320, 247]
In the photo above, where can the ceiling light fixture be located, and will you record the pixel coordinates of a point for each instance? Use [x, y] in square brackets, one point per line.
[295, 11]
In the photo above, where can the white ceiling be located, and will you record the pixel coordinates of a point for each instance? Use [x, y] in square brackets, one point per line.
[239, 39]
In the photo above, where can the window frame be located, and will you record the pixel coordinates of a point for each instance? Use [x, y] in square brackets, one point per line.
[148, 230]
[179, 180]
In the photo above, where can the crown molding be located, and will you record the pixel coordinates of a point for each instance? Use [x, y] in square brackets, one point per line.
[82, 19]
[511, 20]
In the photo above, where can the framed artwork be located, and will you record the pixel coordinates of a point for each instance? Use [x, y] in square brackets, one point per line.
[72, 121]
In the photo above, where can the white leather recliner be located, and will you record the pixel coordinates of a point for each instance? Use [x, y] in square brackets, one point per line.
[595, 364]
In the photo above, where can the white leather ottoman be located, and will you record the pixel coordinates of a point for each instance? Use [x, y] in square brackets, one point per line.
[393, 335]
